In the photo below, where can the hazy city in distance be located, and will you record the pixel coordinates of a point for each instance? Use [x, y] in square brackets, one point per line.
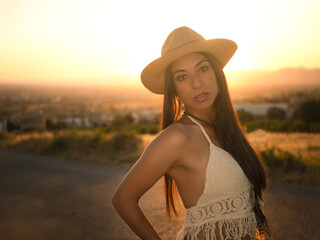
[88, 106]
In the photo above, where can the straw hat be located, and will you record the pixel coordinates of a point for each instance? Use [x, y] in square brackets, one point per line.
[180, 42]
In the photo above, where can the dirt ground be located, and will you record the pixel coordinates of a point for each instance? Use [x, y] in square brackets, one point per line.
[47, 198]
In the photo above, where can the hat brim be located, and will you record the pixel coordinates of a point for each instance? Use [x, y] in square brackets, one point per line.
[152, 75]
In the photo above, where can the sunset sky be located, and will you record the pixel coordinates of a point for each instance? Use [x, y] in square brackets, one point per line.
[62, 41]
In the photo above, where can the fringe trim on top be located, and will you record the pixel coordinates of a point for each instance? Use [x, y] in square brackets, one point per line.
[222, 230]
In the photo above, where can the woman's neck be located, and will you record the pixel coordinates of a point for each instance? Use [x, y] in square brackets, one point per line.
[204, 117]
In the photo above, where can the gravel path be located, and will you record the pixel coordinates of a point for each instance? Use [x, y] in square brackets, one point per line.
[47, 198]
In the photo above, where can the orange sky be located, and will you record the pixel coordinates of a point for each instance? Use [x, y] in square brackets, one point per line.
[62, 41]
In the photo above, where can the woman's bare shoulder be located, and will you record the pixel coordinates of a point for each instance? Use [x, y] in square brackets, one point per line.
[171, 143]
[177, 134]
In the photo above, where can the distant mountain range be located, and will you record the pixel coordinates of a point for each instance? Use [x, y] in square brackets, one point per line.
[262, 82]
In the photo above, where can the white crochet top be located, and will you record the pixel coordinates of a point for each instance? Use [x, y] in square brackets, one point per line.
[225, 208]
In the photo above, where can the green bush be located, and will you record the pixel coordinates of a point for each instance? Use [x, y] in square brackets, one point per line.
[309, 111]
[297, 126]
[89, 141]
[271, 125]
[142, 128]
[244, 116]
[95, 139]
[122, 120]
[315, 127]
[276, 113]
[58, 144]
[276, 125]
[276, 158]
[313, 148]
[147, 128]
[5, 136]
[125, 141]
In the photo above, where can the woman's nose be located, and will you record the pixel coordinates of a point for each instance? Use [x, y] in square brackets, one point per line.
[196, 81]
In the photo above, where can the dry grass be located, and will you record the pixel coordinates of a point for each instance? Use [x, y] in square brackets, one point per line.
[98, 147]
[93, 146]
[305, 149]
[306, 145]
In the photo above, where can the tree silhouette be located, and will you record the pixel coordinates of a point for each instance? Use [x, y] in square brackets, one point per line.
[276, 113]
[309, 111]
[244, 116]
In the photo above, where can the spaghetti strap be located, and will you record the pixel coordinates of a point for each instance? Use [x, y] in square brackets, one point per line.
[202, 129]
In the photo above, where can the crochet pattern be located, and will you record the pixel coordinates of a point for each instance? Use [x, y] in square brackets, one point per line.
[225, 208]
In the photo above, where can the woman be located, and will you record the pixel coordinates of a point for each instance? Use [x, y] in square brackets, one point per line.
[201, 151]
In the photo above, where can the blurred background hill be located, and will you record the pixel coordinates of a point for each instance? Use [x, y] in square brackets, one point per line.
[251, 83]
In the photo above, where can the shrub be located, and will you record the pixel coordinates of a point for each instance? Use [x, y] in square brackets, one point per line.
[52, 125]
[5, 136]
[272, 125]
[276, 125]
[276, 113]
[276, 158]
[12, 126]
[244, 116]
[313, 148]
[58, 144]
[95, 139]
[125, 141]
[309, 111]
[121, 120]
[147, 128]
[315, 127]
[297, 126]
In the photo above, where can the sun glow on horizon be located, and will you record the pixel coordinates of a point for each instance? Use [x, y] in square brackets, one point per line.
[66, 40]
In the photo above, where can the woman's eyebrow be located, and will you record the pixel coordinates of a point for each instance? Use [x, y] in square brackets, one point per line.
[182, 70]
[204, 60]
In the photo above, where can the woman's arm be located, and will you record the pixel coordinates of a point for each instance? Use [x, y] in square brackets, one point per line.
[132, 214]
[157, 159]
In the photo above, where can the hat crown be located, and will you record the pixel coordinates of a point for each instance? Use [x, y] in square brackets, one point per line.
[178, 38]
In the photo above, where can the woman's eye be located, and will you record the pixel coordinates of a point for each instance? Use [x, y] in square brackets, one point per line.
[181, 77]
[204, 68]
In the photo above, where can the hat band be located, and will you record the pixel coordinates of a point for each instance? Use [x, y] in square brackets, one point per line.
[186, 44]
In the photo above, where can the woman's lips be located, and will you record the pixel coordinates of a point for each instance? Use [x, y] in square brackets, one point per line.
[201, 97]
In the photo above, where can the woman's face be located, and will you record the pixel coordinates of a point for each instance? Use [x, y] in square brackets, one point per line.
[195, 82]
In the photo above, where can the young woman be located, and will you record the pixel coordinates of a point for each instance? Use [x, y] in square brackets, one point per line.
[201, 151]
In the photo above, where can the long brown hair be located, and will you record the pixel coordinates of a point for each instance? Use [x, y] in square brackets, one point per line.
[229, 134]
